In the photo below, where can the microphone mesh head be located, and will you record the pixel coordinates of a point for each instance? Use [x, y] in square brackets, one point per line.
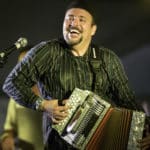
[21, 42]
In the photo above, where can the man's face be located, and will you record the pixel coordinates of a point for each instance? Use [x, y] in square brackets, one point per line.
[78, 27]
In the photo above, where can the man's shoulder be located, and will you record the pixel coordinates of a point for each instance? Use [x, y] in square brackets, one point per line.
[56, 42]
[47, 46]
[48, 43]
[105, 52]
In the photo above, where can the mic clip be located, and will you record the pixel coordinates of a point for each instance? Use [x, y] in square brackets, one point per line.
[3, 59]
[20, 43]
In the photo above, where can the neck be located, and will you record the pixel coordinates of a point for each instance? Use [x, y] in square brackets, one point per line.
[80, 49]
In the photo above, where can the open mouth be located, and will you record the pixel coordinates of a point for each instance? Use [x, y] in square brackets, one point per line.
[74, 33]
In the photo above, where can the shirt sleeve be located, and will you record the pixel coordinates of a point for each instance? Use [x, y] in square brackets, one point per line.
[25, 74]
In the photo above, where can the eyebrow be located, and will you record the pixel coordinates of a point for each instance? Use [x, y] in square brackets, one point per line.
[70, 15]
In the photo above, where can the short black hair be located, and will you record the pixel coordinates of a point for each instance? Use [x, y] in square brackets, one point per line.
[83, 4]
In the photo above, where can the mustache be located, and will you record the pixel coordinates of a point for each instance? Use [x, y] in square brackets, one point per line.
[74, 28]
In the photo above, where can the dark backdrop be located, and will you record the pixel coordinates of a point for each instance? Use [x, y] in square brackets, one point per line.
[123, 26]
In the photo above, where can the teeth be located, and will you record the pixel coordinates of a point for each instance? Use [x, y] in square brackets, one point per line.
[74, 30]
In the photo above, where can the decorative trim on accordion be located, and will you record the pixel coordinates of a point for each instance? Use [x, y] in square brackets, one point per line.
[136, 130]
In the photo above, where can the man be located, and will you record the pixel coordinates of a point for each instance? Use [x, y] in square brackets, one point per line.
[59, 66]
[23, 126]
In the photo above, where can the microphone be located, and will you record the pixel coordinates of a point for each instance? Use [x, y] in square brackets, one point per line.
[20, 43]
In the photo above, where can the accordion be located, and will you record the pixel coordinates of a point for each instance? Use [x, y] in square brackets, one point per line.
[94, 124]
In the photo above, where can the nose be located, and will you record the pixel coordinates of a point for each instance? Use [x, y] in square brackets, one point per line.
[75, 22]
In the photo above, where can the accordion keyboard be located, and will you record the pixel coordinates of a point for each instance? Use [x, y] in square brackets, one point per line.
[86, 109]
[75, 100]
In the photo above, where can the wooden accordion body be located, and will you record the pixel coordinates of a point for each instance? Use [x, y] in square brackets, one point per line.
[92, 124]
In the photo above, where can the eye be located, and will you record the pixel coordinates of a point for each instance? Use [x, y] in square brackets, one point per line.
[70, 18]
[82, 20]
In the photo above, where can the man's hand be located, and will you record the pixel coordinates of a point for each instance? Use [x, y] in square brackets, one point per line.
[57, 113]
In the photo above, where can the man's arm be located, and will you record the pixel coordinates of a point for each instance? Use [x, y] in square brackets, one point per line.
[26, 73]
[121, 92]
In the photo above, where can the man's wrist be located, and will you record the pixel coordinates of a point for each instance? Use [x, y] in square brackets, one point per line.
[39, 104]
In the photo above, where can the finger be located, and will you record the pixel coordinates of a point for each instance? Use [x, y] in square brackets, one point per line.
[64, 102]
[60, 114]
[59, 118]
[55, 118]
[55, 121]
[63, 108]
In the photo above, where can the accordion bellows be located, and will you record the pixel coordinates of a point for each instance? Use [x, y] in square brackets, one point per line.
[92, 124]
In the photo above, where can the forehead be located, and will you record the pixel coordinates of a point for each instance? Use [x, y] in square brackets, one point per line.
[78, 12]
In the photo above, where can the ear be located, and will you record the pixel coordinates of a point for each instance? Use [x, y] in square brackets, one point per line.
[94, 28]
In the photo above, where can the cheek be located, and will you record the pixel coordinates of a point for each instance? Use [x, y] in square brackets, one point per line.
[87, 26]
[64, 27]
[66, 23]
[87, 30]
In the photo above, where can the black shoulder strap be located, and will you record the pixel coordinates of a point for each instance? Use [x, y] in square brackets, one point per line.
[97, 60]
[95, 63]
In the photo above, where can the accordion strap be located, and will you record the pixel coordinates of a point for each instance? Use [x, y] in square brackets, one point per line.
[97, 61]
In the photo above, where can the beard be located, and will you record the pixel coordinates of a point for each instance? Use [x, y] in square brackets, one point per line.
[72, 41]
[71, 37]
